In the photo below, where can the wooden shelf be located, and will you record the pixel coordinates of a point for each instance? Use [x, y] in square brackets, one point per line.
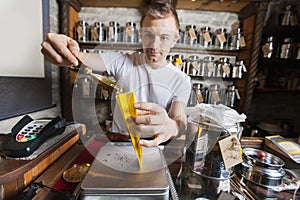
[180, 48]
[212, 5]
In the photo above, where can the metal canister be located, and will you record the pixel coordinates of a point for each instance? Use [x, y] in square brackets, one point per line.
[269, 47]
[98, 32]
[232, 96]
[179, 62]
[205, 37]
[221, 38]
[131, 34]
[82, 31]
[224, 68]
[215, 94]
[193, 65]
[286, 51]
[237, 39]
[208, 67]
[113, 32]
[238, 69]
[191, 35]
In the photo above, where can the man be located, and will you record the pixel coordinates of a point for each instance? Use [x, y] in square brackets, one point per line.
[162, 91]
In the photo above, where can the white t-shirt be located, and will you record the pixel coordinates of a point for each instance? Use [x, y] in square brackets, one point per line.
[161, 86]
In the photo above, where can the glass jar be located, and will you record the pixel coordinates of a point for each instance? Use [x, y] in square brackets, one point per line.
[269, 47]
[238, 69]
[82, 31]
[113, 32]
[179, 62]
[98, 32]
[205, 37]
[232, 96]
[131, 34]
[208, 68]
[215, 94]
[288, 17]
[191, 35]
[237, 39]
[220, 38]
[199, 94]
[193, 65]
[224, 68]
[286, 51]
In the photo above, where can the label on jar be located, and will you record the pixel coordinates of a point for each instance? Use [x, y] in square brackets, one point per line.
[95, 35]
[195, 65]
[192, 34]
[221, 37]
[200, 97]
[216, 96]
[242, 41]
[130, 31]
[231, 151]
[226, 69]
[111, 33]
[206, 37]
[80, 31]
[210, 67]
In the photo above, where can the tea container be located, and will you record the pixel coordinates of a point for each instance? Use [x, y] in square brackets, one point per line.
[238, 69]
[269, 47]
[113, 32]
[193, 65]
[82, 31]
[237, 39]
[98, 32]
[190, 35]
[221, 38]
[224, 68]
[286, 50]
[131, 34]
[208, 67]
[180, 62]
[215, 94]
[205, 37]
[232, 96]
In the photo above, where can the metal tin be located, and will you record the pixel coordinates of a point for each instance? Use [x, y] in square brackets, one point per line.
[221, 38]
[269, 47]
[190, 35]
[98, 32]
[286, 51]
[262, 168]
[231, 96]
[193, 65]
[205, 37]
[131, 33]
[208, 67]
[235, 39]
[215, 94]
[224, 68]
[238, 69]
[113, 32]
[82, 31]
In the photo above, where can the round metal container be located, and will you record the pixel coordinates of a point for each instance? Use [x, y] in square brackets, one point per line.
[262, 168]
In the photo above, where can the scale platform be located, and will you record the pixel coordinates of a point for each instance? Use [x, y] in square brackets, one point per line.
[115, 173]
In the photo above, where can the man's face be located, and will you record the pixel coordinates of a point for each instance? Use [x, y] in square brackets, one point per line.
[158, 37]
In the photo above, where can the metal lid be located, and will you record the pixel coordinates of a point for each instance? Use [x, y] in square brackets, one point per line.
[224, 60]
[99, 24]
[113, 23]
[208, 58]
[239, 62]
[193, 58]
[221, 30]
[262, 158]
[82, 23]
[131, 24]
[205, 29]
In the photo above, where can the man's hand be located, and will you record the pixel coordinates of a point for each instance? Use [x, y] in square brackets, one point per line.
[153, 120]
[60, 50]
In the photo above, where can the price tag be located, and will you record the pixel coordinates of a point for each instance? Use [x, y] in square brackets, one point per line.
[231, 151]
[192, 34]
[200, 98]
[242, 41]
[226, 69]
[216, 96]
[129, 31]
[95, 34]
[206, 37]
[80, 31]
[210, 67]
[221, 37]
[196, 65]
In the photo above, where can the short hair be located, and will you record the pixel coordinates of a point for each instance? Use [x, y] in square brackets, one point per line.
[159, 10]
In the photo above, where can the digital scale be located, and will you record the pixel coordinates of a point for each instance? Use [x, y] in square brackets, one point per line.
[115, 173]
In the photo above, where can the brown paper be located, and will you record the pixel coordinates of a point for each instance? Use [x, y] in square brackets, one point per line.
[231, 151]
